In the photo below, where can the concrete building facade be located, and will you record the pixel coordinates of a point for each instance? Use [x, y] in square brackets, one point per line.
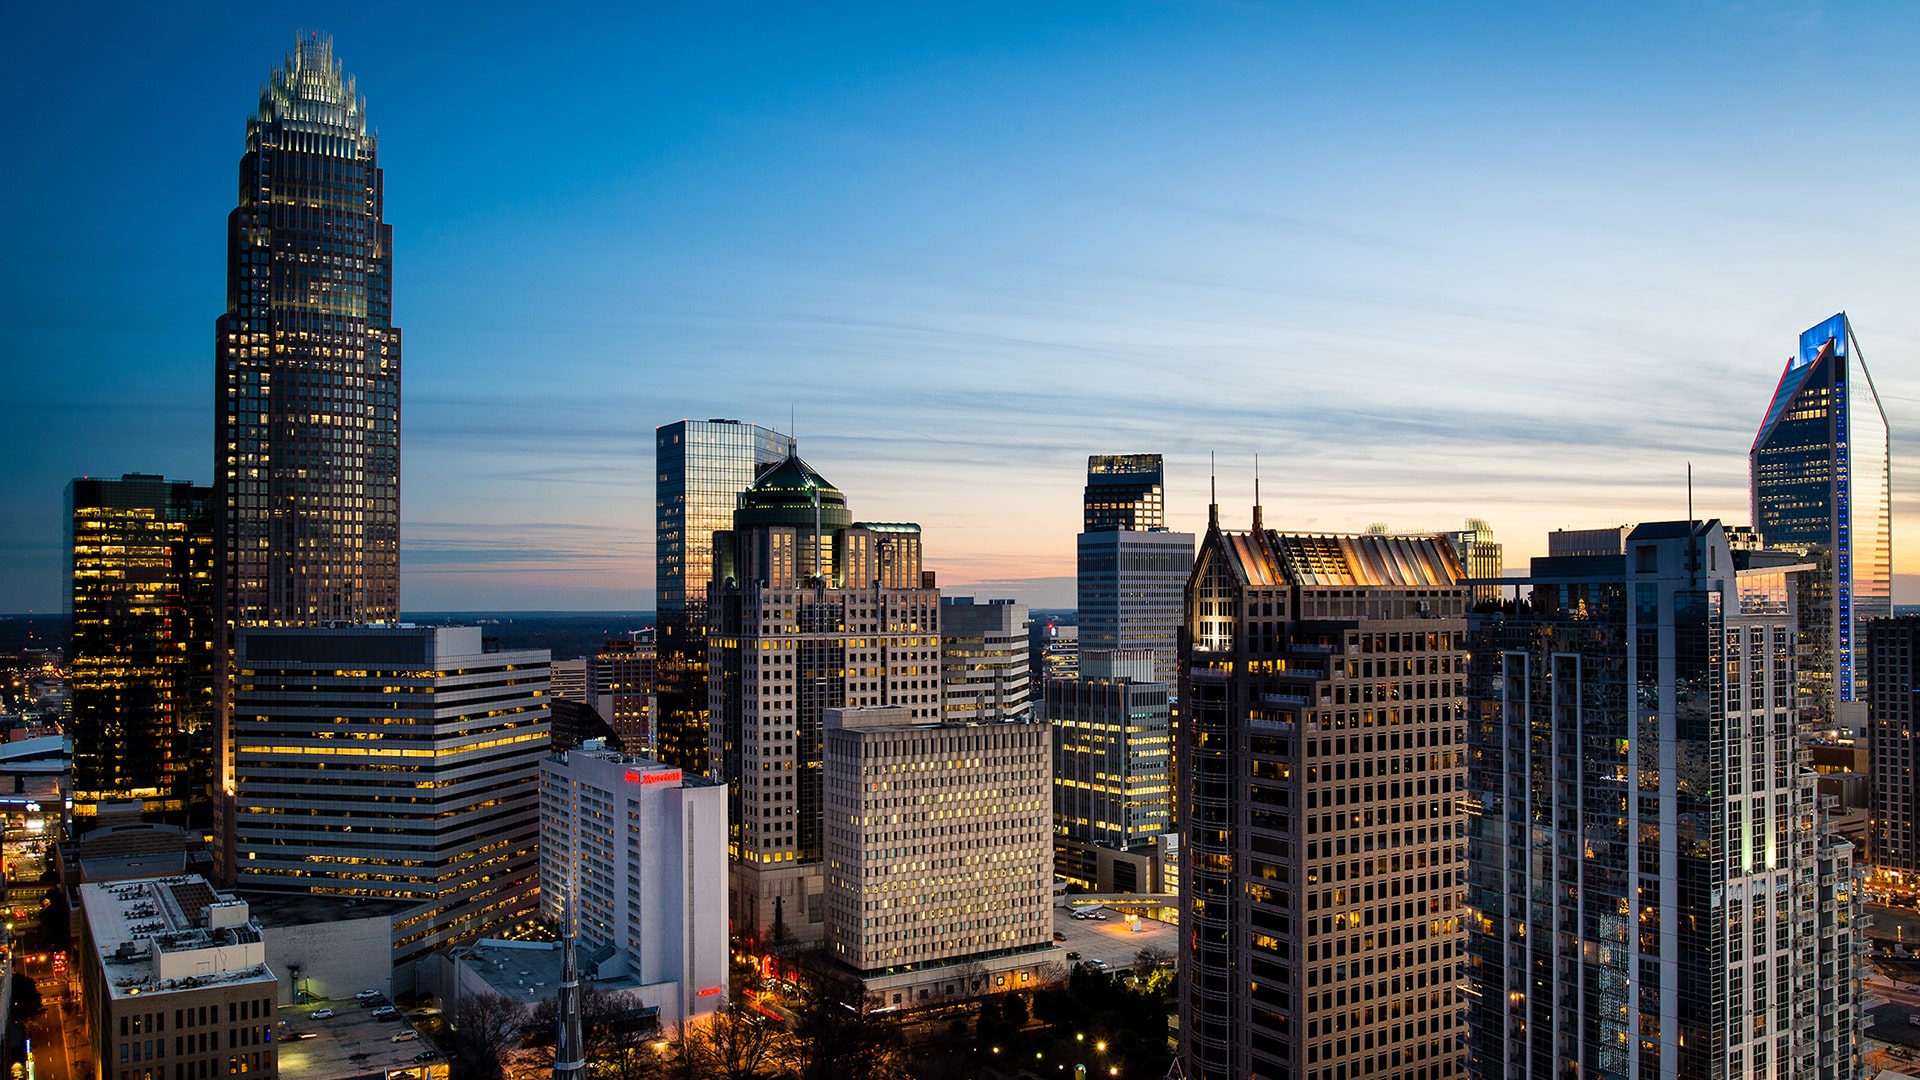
[809, 611]
[176, 982]
[984, 666]
[938, 854]
[397, 762]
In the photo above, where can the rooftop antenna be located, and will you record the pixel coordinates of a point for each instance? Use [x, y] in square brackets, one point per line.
[1258, 524]
[1213, 494]
[1689, 493]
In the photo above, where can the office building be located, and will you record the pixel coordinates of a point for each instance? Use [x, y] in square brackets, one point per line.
[1321, 765]
[1132, 572]
[397, 762]
[1481, 556]
[983, 659]
[634, 854]
[569, 679]
[1112, 773]
[700, 469]
[1651, 892]
[176, 981]
[1893, 645]
[939, 881]
[1125, 493]
[1130, 586]
[306, 481]
[809, 611]
[140, 565]
[1820, 486]
[620, 680]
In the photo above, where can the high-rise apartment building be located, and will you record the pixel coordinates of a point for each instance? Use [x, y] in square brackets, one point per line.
[1112, 772]
[1820, 486]
[306, 487]
[939, 880]
[634, 853]
[983, 659]
[1651, 892]
[700, 469]
[140, 565]
[1132, 572]
[398, 762]
[1322, 763]
[808, 611]
[1893, 648]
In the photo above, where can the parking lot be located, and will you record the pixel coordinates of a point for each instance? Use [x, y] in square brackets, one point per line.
[1115, 941]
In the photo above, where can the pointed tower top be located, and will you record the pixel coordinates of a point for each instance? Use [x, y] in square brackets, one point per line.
[1259, 524]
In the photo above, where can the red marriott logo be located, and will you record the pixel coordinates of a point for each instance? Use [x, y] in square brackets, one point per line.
[664, 776]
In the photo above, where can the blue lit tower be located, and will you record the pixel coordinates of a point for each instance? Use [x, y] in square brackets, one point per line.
[306, 478]
[1819, 472]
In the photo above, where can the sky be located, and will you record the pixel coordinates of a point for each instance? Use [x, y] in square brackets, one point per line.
[1519, 262]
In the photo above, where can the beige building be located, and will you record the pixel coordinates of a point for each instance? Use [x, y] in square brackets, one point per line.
[808, 611]
[176, 982]
[939, 855]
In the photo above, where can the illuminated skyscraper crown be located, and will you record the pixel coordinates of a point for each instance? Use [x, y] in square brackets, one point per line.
[311, 94]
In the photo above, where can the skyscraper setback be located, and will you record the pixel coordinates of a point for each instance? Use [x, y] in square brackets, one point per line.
[1131, 572]
[307, 383]
[1820, 485]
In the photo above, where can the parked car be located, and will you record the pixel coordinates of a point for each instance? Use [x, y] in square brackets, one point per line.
[404, 1036]
[322, 1014]
[1073, 956]
[385, 1012]
[368, 995]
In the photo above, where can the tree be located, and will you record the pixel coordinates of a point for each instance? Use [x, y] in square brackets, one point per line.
[26, 997]
[833, 1041]
[484, 1026]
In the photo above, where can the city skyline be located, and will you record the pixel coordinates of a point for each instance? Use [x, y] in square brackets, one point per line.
[1343, 241]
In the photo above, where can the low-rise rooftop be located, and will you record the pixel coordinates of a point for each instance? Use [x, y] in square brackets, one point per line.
[171, 933]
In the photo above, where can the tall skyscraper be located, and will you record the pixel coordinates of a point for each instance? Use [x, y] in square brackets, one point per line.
[140, 563]
[808, 611]
[1650, 891]
[1820, 484]
[701, 467]
[398, 762]
[1893, 662]
[307, 381]
[1132, 572]
[1321, 764]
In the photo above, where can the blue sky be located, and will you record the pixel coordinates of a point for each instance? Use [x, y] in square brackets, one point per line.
[1514, 261]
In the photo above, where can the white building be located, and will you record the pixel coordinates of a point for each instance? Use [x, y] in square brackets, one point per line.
[399, 762]
[641, 848]
[939, 855]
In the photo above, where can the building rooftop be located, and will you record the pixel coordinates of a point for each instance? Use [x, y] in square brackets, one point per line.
[300, 909]
[529, 971]
[350, 1045]
[171, 933]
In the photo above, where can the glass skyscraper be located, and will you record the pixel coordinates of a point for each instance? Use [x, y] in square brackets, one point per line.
[700, 469]
[1820, 485]
[307, 386]
[1131, 572]
[140, 562]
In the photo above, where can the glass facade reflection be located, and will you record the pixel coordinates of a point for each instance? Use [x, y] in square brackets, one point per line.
[700, 469]
[1820, 485]
[1651, 888]
[307, 384]
[140, 561]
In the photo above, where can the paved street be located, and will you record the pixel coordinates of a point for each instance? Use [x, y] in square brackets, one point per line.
[59, 1053]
